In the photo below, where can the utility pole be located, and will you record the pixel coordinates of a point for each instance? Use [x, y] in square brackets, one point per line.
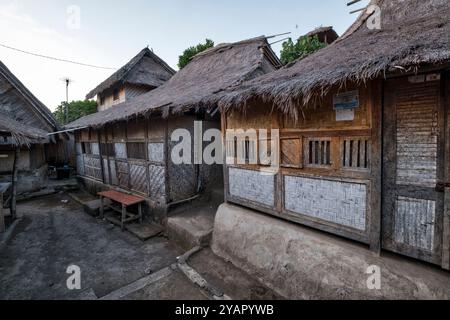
[67, 81]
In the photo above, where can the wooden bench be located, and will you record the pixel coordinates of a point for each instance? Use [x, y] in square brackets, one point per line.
[125, 201]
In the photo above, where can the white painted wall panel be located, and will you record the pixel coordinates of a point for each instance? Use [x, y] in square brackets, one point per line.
[334, 201]
[156, 152]
[415, 222]
[253, 186]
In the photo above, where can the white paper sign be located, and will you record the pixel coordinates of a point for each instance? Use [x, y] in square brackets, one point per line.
[345, 115]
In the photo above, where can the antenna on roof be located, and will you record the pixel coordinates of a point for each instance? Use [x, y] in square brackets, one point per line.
[278, 35]
[354, 2]
[67, 81]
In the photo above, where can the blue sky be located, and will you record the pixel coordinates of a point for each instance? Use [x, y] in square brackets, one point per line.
[112, 32]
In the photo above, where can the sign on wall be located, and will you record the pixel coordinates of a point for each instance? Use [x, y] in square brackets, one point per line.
[345, 104]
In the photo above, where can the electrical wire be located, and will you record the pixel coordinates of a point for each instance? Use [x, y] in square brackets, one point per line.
[56, 59]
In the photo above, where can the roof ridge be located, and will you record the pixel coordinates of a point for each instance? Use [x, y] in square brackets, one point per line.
[35, 102]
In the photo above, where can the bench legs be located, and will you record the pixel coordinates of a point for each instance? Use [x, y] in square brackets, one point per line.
[124, 216]
[102, 208]
[140, 213]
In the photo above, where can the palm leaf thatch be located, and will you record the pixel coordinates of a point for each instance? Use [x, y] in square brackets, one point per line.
[22, 135]
[413, 33]
[199, 85]
[145, 69]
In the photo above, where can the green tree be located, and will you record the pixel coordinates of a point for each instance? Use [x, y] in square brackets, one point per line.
[303, 47]
[187, 55]
[76, 110]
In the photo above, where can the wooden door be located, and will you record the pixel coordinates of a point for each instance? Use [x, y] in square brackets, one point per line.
[413, 162]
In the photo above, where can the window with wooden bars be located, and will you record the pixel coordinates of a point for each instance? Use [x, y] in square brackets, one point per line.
[137, 150]
[318, 152]
[356, 153]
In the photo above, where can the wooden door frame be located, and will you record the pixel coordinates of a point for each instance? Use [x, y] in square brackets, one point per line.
[389, 129]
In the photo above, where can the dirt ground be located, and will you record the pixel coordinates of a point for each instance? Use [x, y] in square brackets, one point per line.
[55, 233]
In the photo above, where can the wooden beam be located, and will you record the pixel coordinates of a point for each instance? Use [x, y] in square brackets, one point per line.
[376, 107]
[14, 182]
[2, 217]
[353, 2]
[445, 88]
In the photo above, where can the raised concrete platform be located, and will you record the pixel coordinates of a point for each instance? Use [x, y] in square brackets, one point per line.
[191, 229]
[300, 263]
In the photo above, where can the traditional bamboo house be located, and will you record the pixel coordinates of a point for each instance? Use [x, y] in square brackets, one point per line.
[145, 72]
[364, 134]
[16, 139]
[128, 146]
[20, 109]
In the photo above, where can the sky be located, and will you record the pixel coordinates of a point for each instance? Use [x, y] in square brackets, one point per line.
[109, 33]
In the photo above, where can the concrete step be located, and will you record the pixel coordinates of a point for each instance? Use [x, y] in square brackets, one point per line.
[93, 207]
[192, 228]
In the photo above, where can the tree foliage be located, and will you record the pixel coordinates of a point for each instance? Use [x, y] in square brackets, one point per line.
[77, 109]
[187, 55]
[304, 46]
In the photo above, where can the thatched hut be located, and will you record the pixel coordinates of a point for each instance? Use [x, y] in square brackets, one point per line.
[128, 146]
[145, 72]
[24, 125]
[364, 135]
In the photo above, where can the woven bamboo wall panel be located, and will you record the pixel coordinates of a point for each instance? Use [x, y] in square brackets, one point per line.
[415, 221]
[334, 201]
[138, 178]
[417, 136]
[157, 182]
[253, 186]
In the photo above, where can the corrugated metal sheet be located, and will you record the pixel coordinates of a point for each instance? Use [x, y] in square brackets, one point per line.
[415, 222]
[417, 136]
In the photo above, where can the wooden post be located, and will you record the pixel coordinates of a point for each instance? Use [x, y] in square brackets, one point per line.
[376, 109]
[446, 223]
[2, 217]
[14, 182]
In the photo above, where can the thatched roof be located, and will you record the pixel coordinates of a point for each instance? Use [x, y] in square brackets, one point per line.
[145, 69]
[21, 134]
[198, 85]
[414, 33]
[325, 34]
[44, 113]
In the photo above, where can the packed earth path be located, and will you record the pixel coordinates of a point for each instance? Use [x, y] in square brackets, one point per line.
[55, 233]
